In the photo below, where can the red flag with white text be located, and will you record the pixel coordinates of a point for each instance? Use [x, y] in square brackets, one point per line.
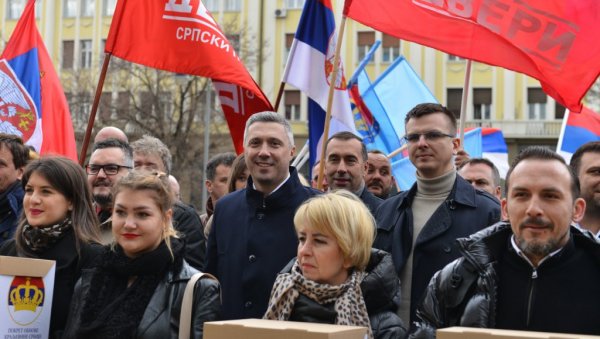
[181, 36]
[554, 41]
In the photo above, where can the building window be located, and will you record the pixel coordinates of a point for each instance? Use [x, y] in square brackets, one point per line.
[232, 6]
[38, 9]
[482, 103]
[292, 105]
[105, 107]
[87, 8]
[86, 53]
[83, 106]
[294, 4]
[146, 100]
[234, 40]
[123, 104]
[453, 100]
[14, 8]
[68, 49]
[365, 41]
[454, 58]
[536, 103]
[69, 8]
[101, 52]
[165, 103]
[211, 5]
[559, 110]
[289, 39]
[391, 48]
[108, 7]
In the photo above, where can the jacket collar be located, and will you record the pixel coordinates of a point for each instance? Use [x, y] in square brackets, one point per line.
[160, 299]
[462, 193]
[279, 198]
[483, 247]
[185, 273]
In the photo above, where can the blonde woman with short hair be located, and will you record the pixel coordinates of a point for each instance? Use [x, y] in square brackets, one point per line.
[337, 277]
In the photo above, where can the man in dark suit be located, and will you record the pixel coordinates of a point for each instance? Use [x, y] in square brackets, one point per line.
[253, 236]
[346, 166]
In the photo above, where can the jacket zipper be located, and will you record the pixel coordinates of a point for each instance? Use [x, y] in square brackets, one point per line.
[534, 276]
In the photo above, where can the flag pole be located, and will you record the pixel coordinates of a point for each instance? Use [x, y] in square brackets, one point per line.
[92, 118]
[563, 126]
[300, 154]
[336, 61]
[279, 95]
[463, 104]
[286, 71]
[396, 152]
[302, 161]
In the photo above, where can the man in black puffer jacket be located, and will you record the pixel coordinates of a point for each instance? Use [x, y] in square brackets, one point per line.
[533, 273]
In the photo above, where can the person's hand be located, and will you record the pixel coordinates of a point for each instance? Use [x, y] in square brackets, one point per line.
[460, 158]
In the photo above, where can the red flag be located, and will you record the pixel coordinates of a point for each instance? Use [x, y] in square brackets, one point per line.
[554, 41]
[32, 102]
[181, 36]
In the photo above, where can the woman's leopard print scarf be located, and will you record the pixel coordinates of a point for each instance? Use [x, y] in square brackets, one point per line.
[348, 300]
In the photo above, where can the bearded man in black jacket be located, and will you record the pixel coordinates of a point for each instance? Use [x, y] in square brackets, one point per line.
[534, 272]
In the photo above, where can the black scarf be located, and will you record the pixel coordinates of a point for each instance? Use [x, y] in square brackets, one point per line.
[39, 239]
[113, 310]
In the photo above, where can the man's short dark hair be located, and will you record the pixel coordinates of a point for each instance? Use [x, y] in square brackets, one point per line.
[543, 153]
[345, 135]
[225, 159]
[590, 147]
[376, 151]
[483, 161]
[15, 146]
[116, 143]
[430, 108]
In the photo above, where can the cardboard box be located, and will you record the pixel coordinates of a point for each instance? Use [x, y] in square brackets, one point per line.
[483, 333]
[26, 288]
[274, 329]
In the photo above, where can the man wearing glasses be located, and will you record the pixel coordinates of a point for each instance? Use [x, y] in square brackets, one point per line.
[419, 226]
[111, 159]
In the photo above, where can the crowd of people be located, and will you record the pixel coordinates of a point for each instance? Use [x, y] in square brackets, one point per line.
[454, 250]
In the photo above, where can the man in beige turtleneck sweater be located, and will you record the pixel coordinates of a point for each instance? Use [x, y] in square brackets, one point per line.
[419, 226]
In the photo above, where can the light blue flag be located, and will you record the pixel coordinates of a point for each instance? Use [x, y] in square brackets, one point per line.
[366, 125]
[405, 173]
[391, 96]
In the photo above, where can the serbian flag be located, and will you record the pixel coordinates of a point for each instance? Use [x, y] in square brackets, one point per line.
[182, 37]
[577, 129]
[554, 41]
[309, 68]
[32, 102]
[493, 148]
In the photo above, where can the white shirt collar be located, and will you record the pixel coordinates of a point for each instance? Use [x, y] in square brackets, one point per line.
[524, 256]
[276, 188]
[597, 235]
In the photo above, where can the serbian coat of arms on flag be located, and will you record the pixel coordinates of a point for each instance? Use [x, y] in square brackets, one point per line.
[18, 113]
